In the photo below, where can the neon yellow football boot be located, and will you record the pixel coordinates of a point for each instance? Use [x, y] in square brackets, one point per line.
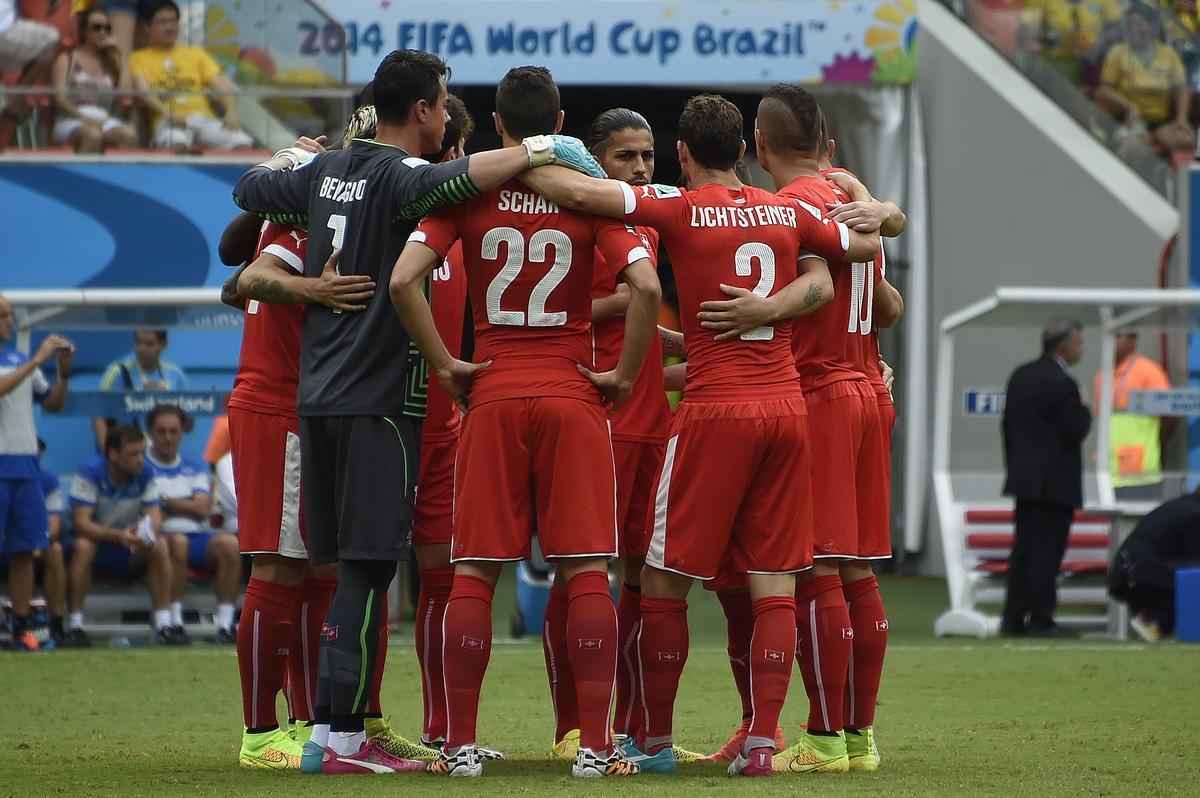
[861, 748]
[814, 753]
[273, 750]
[380, 730]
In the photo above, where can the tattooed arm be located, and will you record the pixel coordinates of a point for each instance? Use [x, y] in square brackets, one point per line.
[270, 279]
[746, 311]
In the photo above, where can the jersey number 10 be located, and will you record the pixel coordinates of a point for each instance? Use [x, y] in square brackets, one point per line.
[862, 299]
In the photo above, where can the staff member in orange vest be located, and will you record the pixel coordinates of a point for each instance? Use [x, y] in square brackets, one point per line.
[1135, 448]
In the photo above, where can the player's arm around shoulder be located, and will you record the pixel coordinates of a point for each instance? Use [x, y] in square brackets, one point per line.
[579, 192]
[272, 279]
[865, 212]
[746, 310]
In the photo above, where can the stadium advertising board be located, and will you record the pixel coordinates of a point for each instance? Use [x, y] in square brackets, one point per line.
[643, 42]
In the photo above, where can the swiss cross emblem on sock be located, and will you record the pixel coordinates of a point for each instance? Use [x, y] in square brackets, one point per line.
[473, 643]
[773, 655]
[590, 643]
[669, 656]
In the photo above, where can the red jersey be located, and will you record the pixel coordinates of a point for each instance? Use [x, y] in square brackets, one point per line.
[868, 353]
[743, 237]
[448, 301]
[269, 366]
[529, 271]
[829, 343]
[646, 417]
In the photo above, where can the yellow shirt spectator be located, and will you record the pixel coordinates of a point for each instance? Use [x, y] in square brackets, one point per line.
[1148, 86]
[178, 69]
[1076, 25]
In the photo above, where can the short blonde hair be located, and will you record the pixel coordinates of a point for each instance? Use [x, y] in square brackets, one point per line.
[361, 125]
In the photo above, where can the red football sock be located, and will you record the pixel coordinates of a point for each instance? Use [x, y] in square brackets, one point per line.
[870, 624]
[662, 653]
[374, 706]
[592, 651]
[772, 650]
[739, 626]
[466, 647]
[824, 636]
[262, 645]
[558, 663]
[628, 713]
[431, 609]
[304, 653]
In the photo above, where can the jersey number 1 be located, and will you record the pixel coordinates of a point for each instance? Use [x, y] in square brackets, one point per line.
[337, 223]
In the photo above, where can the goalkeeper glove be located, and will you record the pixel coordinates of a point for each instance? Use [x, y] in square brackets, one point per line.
[562, 150]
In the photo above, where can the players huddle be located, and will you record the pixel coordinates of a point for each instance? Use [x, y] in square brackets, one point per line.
[511, 303]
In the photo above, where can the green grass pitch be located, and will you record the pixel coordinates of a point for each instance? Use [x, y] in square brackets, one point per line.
[955, 718]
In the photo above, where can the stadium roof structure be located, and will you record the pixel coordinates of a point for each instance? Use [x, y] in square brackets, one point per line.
[1107, 308]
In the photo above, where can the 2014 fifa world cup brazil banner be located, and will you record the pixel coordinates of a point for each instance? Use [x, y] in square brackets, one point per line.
[639, 42]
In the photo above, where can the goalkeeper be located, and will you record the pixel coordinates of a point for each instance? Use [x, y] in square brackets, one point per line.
[361, 393]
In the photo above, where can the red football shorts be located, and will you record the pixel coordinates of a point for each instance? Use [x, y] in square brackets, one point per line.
[734, 490]
[541, 463]
[434, 510]
[266, 473]
[638, 464]
[851, 472]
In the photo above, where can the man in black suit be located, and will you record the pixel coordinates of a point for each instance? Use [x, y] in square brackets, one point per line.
[1044, 425]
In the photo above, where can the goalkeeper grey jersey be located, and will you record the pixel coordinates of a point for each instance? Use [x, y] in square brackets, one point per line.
[366, 200]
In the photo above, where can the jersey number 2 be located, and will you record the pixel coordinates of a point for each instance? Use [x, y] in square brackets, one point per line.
[539, 243]
[743, 266]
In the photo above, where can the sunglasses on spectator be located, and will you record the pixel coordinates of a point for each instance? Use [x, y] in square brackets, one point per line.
[101, 27]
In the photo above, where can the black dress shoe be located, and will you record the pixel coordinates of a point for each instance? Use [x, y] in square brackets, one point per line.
[1052, 631]
[1013, 630]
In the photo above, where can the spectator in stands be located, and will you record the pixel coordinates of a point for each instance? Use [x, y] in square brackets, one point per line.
[183, 116]
[142, 370]
[54, 570]
[83, 79]
[23, 524]
[117, 519]
[124, 14]
[185, 491]
[1143, 572]
[1043, 426]
[1143, 85]
[1181, 27]
[1068, 32]
[1135, 441]
[26, 46]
